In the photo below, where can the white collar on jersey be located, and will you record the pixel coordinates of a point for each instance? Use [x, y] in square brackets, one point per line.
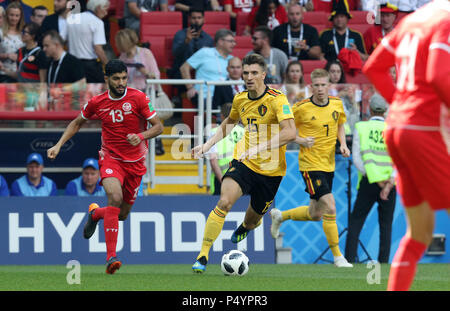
[124, 94]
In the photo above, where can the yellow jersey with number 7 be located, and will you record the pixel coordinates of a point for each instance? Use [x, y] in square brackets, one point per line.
[320, 122]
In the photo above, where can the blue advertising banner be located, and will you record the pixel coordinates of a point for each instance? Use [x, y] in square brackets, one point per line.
[159, 230]
[85, 144]
[306, 238]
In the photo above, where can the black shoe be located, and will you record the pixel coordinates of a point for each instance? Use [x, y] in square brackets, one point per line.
[91, 225]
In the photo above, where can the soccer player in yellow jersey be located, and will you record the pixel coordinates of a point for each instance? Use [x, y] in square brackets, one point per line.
[319, 120]
[258, 163]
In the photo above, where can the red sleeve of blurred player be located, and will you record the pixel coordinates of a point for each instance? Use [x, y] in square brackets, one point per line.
[438, 66]
[377, 69]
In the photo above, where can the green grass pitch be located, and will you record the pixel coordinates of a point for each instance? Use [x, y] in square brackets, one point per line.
[293, 277]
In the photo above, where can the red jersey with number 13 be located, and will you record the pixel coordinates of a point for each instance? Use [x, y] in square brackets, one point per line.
[419, 47]
[120, 117]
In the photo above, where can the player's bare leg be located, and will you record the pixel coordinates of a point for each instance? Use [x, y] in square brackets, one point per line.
[230, 193]
[420, 221]
[251, 220]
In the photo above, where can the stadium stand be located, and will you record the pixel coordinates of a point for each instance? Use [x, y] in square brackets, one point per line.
[243, 46]
[215, 21]
[241, 21]
[162, 24]
[323, 6]
[309, 66]
[159, 50]
[358, 17]
[315, 17]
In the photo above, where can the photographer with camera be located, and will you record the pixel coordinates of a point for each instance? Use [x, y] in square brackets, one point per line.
[188, 41]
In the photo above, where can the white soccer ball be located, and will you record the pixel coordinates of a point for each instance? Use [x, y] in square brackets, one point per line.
[234, 263]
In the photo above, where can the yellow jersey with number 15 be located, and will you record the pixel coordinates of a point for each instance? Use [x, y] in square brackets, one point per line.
[261, 118]
[320, 122]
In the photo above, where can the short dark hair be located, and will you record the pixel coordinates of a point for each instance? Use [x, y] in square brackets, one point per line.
[36, 8]
[196, 10]
[265, 31]
[115, 66]
[255, 59]
[33, 29]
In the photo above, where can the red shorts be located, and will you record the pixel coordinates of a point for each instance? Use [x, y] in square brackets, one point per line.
[128, 173]
[423, 166]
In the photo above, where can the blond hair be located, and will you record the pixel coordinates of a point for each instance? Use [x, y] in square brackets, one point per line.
[320, 73]
[126, 39]
[13, 5]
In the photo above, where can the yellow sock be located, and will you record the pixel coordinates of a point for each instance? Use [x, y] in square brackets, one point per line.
[298, 213]
[331, 232]
[213, 227]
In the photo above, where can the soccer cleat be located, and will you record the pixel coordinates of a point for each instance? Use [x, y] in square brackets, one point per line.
[91, 225]
[236, 238]
[341, 262]
[198, 266]
[112, 265]
[275, 215]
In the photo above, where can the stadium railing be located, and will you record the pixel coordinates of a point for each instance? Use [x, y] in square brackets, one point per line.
[201, 131]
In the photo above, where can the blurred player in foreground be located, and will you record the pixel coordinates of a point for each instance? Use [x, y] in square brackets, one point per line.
[417, 131]
[258, 163]
[320, 121]
[124, 113]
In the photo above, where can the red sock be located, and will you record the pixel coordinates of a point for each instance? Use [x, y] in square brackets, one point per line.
[404, 265]
[99, 213]
[111, 228]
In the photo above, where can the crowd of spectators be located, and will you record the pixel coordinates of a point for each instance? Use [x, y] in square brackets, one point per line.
[71, 48]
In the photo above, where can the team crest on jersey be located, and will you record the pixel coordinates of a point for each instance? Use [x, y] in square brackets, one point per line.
[126, 107]
[262, 110]
[335, 115]
[109, 171]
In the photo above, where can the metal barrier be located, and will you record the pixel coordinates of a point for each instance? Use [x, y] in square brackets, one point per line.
[204, 119]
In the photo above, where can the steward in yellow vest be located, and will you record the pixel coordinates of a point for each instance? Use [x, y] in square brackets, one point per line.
[376, 182]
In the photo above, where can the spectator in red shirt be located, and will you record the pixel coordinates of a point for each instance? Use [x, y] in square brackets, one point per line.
[269, 13]
[374, 35]
[236, 6]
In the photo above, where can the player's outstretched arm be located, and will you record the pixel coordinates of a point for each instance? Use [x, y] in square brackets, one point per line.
[341, 137]
[377, 71]
[155, 130]
[224, 129]
[73, 127]
[306, 142]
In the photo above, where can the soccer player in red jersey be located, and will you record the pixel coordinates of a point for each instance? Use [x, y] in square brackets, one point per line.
[125, 113]
[419, 47]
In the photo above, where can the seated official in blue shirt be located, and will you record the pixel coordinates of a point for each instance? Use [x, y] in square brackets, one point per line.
[88, 184]
[4, 190]
[34, 184]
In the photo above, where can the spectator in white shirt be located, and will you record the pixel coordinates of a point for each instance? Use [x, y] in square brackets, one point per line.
[403, 5]
[86, 37]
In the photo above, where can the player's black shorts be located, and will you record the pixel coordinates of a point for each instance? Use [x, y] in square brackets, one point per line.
[318, 183]
[262, 189]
